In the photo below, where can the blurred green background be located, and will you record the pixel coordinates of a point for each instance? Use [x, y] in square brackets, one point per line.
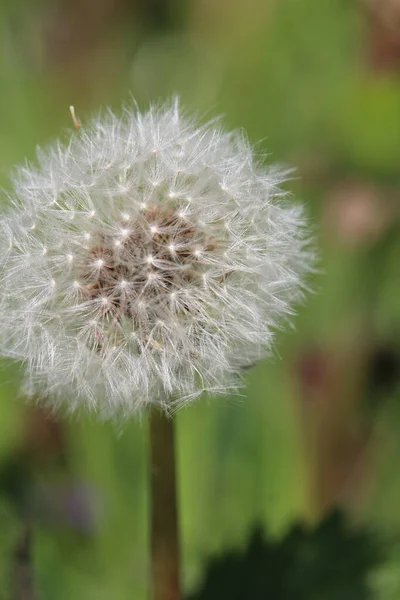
[318, 426]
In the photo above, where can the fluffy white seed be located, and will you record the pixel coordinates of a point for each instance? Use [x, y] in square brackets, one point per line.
[176, 303]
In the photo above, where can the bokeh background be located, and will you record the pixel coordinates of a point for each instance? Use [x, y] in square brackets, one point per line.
[293, 490]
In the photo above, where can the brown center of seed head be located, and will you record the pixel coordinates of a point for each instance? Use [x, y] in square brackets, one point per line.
[157, 254]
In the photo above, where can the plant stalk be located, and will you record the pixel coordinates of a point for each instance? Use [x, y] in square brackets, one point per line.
[164, 512]
[22, 573]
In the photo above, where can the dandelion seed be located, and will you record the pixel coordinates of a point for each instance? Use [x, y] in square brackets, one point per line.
[182, 300]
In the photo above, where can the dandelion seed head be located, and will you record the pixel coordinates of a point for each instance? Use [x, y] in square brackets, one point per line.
[115, 295]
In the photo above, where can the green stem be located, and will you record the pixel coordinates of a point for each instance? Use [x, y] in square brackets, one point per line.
[22, 575]
[164, 513]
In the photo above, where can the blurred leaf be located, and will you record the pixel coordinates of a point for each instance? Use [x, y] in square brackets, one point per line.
[330, 562]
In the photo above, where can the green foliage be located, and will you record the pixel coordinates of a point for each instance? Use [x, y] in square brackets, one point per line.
[329, 562]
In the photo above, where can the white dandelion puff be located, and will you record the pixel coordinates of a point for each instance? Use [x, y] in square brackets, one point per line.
[146, 261]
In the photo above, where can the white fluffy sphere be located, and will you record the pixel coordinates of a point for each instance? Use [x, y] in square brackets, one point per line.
[144, 262]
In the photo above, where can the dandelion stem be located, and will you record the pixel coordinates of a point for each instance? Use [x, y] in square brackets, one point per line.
[164, 513]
